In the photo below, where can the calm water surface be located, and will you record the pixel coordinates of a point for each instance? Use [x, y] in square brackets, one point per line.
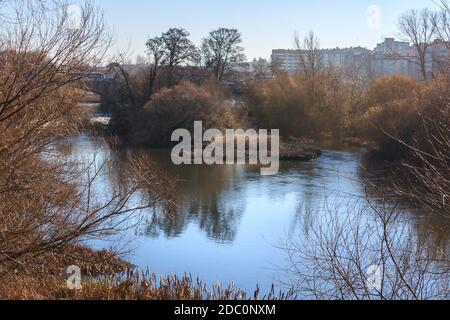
[231, 221]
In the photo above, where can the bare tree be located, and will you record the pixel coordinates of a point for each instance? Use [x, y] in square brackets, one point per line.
[427, 179]
[178, 50]
[441, 23]
[156, 51]
[261, 69]
[310, 57]
[48, 202]
[221, 49]
[40, 56]
[366, 252]
[275, 67]
[310, 54]
[417, 27]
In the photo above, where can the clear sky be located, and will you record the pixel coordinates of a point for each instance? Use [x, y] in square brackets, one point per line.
[264, 24]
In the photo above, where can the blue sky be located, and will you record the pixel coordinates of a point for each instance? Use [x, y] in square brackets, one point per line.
[264, 24]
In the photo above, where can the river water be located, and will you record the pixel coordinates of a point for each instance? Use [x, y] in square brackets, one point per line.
[231, 222]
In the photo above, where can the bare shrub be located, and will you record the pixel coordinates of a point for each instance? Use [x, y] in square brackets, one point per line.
[367, 252]
[425, 176]
[49, 203]
[392, 106]
[301, 105]
[179, 107]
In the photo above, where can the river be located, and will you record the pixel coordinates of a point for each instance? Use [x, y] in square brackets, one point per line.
[231, 221]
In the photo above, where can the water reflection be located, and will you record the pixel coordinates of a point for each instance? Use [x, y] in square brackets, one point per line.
[202, 195]
[229, 220]
[430, 227]
[214, 198]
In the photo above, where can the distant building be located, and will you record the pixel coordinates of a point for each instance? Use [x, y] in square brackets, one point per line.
[393, 58]
[390, 57]
[438, 55]
[345, 57]
[400, 58]
[291, 60]
[287, 60]
[391, 46]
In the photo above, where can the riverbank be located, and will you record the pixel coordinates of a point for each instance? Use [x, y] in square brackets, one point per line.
[107, 277]
[298, 152]
[47, 277]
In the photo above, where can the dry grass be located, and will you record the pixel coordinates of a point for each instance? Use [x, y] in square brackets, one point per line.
[109, 278]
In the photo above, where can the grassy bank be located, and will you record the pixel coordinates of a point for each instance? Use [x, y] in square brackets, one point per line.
[106, 277]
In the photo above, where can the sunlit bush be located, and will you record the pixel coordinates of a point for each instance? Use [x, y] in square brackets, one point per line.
[301, 106]
[178, 107]
[392, 106]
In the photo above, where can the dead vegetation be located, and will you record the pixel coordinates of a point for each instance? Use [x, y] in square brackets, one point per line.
[47, 202]
[367, 252]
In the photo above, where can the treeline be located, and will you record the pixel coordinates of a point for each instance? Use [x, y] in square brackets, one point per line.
[327, 104]
[318, 102]
[180, 82]
[335, 106]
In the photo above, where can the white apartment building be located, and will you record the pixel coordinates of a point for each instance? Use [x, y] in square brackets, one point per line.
[291, 60]
[287, 59]
[390, 57]
[399, 58]
[393, 57]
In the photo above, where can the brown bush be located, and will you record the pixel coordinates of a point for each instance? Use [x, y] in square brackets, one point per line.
[390, 88]
[392, 105]
[410, 124]
[301, 106]
[47, 201]
[425, 178]
[179, 107]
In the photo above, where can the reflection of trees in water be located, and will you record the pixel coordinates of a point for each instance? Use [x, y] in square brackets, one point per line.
[435, 229]
[202, 199]
[429, 226]
[219, 221]
[200, 195]
[330, 181]
[216, 215]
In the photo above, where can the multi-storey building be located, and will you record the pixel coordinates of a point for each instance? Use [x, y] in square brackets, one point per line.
[390, 57]
[393, 58]
[291, 60]
[438, 57]
[287, 59]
